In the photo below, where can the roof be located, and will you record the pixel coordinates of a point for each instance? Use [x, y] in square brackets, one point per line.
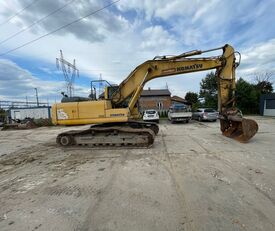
[155, 92]
[178, 99]
[34, 107]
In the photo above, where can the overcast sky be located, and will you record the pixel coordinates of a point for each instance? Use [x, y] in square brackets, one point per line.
[115, 40]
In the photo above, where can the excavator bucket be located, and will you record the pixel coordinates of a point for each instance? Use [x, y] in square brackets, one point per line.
[238, 128]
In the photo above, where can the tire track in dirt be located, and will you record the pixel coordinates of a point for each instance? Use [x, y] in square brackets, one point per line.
[102, 193]
[73, 190]
[236, 171]
[187, 220]
[213, 154]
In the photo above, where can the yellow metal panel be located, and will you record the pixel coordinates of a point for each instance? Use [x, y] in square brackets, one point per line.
[53, 114]
[108, 104]
[66, 111]
[93, 121]
[87, 112]
[91, 109]
[135, 113]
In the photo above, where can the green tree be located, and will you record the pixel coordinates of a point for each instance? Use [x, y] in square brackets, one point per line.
[192, 98]
[209, 90]
[2, 114]
[247, 97]
[264, 87]
[247, 94]
[263, 82]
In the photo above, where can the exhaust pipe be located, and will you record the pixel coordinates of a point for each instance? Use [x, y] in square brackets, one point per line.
[238, 128]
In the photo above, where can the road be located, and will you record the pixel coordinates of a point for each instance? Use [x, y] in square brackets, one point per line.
[193, 178]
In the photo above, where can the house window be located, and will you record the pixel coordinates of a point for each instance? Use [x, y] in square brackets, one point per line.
[159, 105]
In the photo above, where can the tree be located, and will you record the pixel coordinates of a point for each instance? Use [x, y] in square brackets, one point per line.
[2, 114]
[264, 87]
[263, 82]
[209, 90]
[247, 97]
[247, 94]
[192, 98]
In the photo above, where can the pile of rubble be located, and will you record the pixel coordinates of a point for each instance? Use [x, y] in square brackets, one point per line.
[27, 124]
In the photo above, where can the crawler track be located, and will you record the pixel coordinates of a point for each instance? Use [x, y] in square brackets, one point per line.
[130, 134]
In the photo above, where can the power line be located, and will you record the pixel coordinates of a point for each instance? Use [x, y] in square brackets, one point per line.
[19, 12]
[60, 28]
[21, 31]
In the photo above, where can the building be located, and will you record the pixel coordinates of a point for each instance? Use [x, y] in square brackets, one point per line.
[178, 100]
[42, 112]
[159, 100]
[267, 105]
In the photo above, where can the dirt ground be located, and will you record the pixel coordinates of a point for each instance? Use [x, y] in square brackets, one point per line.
[193, 178]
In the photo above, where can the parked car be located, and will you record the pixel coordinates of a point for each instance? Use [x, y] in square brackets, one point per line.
[151, 115]
[179, 113]
[205, 114]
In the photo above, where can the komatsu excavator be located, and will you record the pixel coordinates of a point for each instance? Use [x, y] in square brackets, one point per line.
[114, 116]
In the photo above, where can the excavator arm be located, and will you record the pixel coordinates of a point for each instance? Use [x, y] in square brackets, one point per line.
[131, 88]
[232, 125]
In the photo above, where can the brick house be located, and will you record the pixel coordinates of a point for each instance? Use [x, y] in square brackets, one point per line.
[179, 100]
[158, 99]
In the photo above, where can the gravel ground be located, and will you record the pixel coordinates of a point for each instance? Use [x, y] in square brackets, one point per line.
[193, 178]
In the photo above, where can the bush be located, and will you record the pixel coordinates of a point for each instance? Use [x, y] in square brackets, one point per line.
[163, 114]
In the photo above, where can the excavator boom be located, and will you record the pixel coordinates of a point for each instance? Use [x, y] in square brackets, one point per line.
[118, 108]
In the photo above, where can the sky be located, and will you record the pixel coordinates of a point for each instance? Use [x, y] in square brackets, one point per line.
[113, 41]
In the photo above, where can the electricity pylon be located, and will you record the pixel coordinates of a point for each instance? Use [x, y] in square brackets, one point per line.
[69, 72]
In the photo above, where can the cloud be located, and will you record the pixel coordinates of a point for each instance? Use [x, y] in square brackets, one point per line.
[259, 57]
[92, 29]
[16, 83]
[155, 37]
[209, 22]
[142, 7]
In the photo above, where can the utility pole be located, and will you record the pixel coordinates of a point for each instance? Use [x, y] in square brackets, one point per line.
[36, 97]
[67, 68]
[27, 103]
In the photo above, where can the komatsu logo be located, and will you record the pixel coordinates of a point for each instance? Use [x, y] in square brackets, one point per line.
[190, 67]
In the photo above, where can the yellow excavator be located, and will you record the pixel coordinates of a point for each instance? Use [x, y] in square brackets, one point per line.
[114, 115]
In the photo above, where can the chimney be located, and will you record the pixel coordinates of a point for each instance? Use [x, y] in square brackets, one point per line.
[149, 89]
